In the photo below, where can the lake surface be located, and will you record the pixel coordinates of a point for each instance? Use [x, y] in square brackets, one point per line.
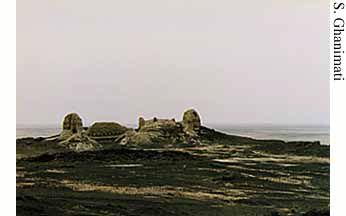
[283, 132]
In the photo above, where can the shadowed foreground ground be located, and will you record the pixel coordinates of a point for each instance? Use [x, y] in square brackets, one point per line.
[227, 176]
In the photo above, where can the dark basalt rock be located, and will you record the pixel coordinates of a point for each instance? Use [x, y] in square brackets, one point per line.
[99, 129]
[317, 212]
[27, 141]
[112, 154]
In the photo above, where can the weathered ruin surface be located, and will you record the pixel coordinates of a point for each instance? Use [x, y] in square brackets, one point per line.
[80, 142]
[73, 135]
[166, 131]
[191, 122]
[100, 129]
[72, 124]
[141, 122]
[155, 131]
[150, 131]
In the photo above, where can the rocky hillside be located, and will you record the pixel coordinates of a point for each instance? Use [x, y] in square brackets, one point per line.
[168, 167]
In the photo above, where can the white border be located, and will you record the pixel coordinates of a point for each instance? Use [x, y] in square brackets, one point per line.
[8, 105]
[337, 129]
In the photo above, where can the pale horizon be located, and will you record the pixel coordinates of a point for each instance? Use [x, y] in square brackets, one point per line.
[234, 62]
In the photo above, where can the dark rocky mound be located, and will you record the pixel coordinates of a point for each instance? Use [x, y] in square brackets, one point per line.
[99, 129]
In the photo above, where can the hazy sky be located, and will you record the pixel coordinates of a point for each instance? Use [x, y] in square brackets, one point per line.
[260, 61]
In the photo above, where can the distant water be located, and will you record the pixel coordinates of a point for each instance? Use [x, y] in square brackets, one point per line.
[36, 131]
[282, 132]
[287, 133]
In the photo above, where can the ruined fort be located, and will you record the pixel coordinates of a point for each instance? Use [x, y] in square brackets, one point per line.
[78, 137]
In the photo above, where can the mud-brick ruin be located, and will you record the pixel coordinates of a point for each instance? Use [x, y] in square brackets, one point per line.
[191, 122]
[72, 124]
[149, 131]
